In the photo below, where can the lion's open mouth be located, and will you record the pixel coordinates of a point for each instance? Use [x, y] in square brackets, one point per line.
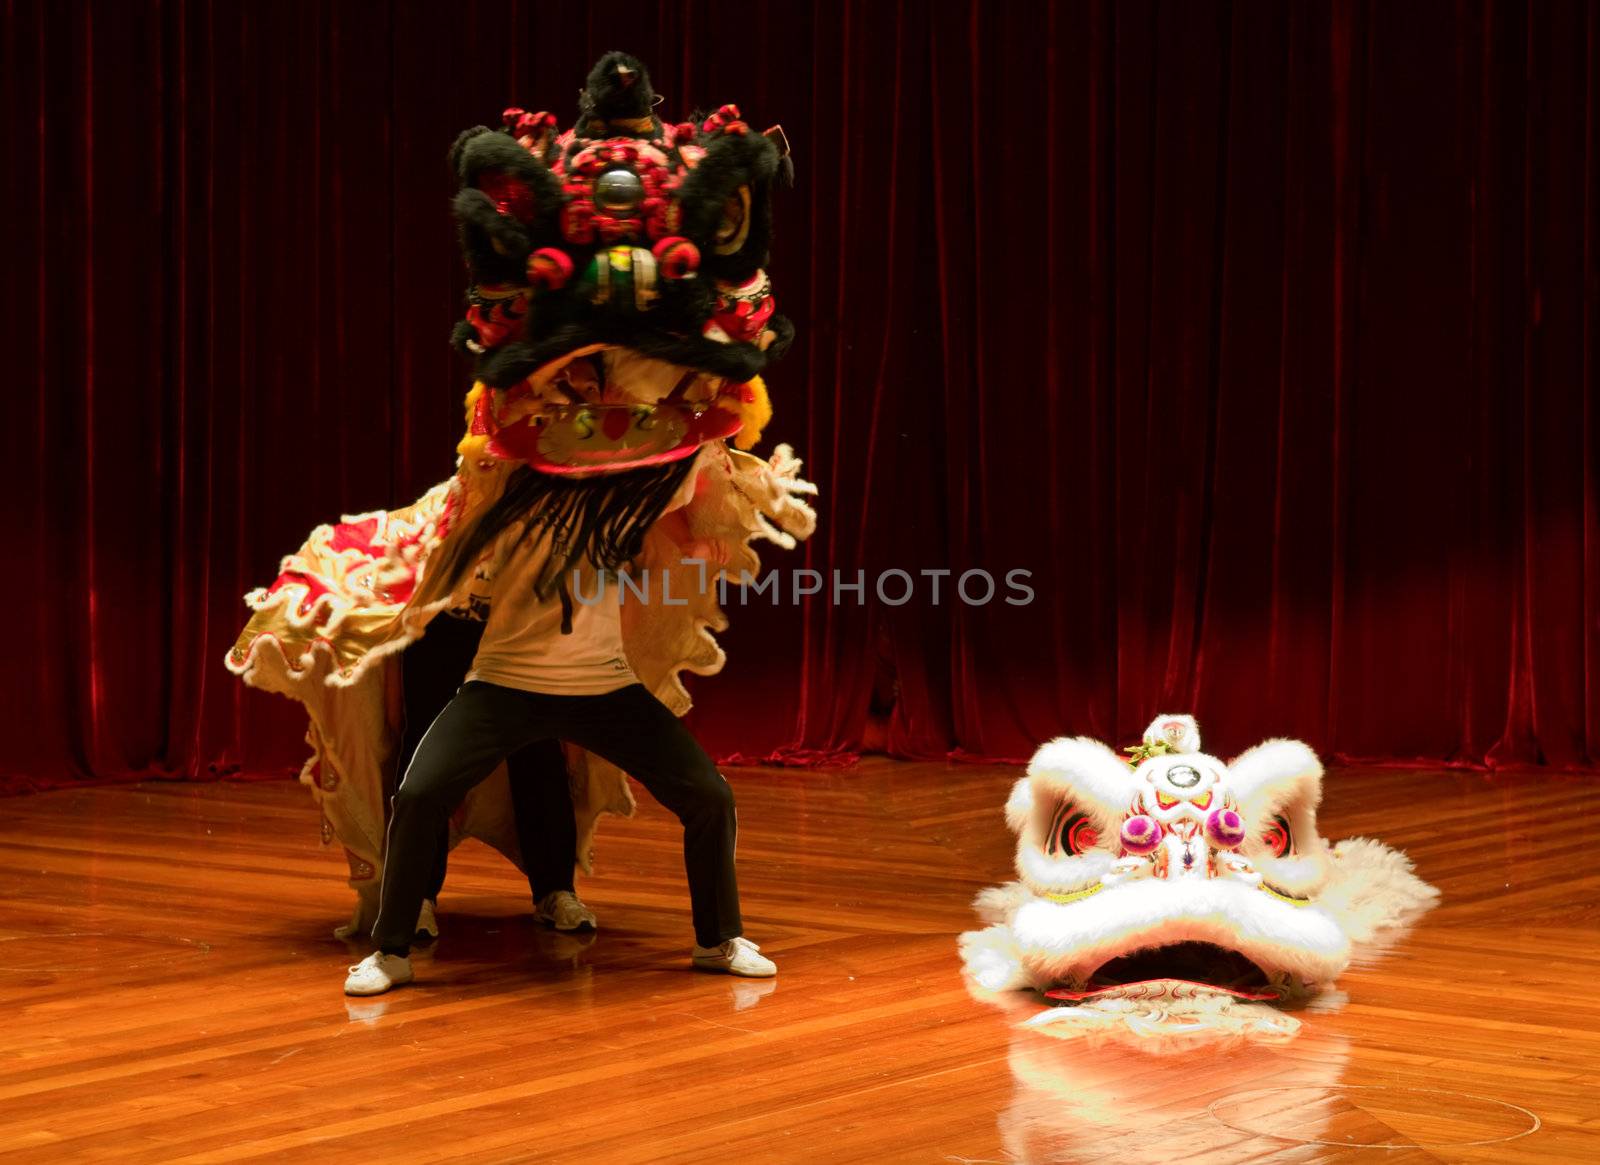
[1157, 969]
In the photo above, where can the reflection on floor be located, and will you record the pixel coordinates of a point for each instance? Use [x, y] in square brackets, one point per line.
[172, 993]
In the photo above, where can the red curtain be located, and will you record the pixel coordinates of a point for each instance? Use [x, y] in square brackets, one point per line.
[1262, 335]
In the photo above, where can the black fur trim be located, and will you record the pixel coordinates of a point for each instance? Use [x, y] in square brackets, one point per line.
[510, 363]
[481, 226]
[599, 520]
[460, 144]
[460, 334]
[783, 335]
[736, 362]
[501, 152]
[731, 161]
[495, 151]
[608, 98]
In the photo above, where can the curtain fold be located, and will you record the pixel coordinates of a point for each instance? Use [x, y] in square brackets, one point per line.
[1262, 337]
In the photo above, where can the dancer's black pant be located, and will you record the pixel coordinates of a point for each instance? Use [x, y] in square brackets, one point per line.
[485, 723]
[432, 670]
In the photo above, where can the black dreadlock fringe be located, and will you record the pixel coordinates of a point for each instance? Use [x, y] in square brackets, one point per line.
[601, 520]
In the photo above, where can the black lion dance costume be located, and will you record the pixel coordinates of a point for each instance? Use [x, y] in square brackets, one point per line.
[620, 317]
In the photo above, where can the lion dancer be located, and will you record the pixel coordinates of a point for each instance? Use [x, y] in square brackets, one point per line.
[620, 316]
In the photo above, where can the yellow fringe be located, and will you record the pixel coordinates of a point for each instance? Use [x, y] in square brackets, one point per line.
[755, 414]
[1282, 897]
[472, 447]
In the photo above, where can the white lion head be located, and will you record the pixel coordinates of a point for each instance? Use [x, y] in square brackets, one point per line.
[1173, 867]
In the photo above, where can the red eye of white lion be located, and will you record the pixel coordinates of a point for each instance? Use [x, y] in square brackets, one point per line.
[1071, 833]
[1277, 836]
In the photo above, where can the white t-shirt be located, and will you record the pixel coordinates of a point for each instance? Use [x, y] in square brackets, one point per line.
[522, 645]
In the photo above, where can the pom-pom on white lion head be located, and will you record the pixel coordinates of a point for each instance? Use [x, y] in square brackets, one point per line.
[1174, 868]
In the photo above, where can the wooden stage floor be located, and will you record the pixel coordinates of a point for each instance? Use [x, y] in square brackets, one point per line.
[170, 992]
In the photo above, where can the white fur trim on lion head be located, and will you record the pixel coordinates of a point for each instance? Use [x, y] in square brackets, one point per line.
[1077, 793]
[1174, 733]
[1278, 784]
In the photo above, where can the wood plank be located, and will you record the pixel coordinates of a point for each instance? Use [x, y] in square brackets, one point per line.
[171, 992]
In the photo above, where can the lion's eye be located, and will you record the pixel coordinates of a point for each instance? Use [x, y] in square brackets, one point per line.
[735, 225]
[1277, 836]
[1071, 833]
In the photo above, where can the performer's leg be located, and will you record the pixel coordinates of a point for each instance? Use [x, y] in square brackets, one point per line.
[635, 731]
[547, 833]
[423, 703]
[431, 671]
[547, 829]
[479, 727]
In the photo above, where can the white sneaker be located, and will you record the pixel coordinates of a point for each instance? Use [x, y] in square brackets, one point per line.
[737, 956]
[563, 910]
[377, 973]
[427, 923]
